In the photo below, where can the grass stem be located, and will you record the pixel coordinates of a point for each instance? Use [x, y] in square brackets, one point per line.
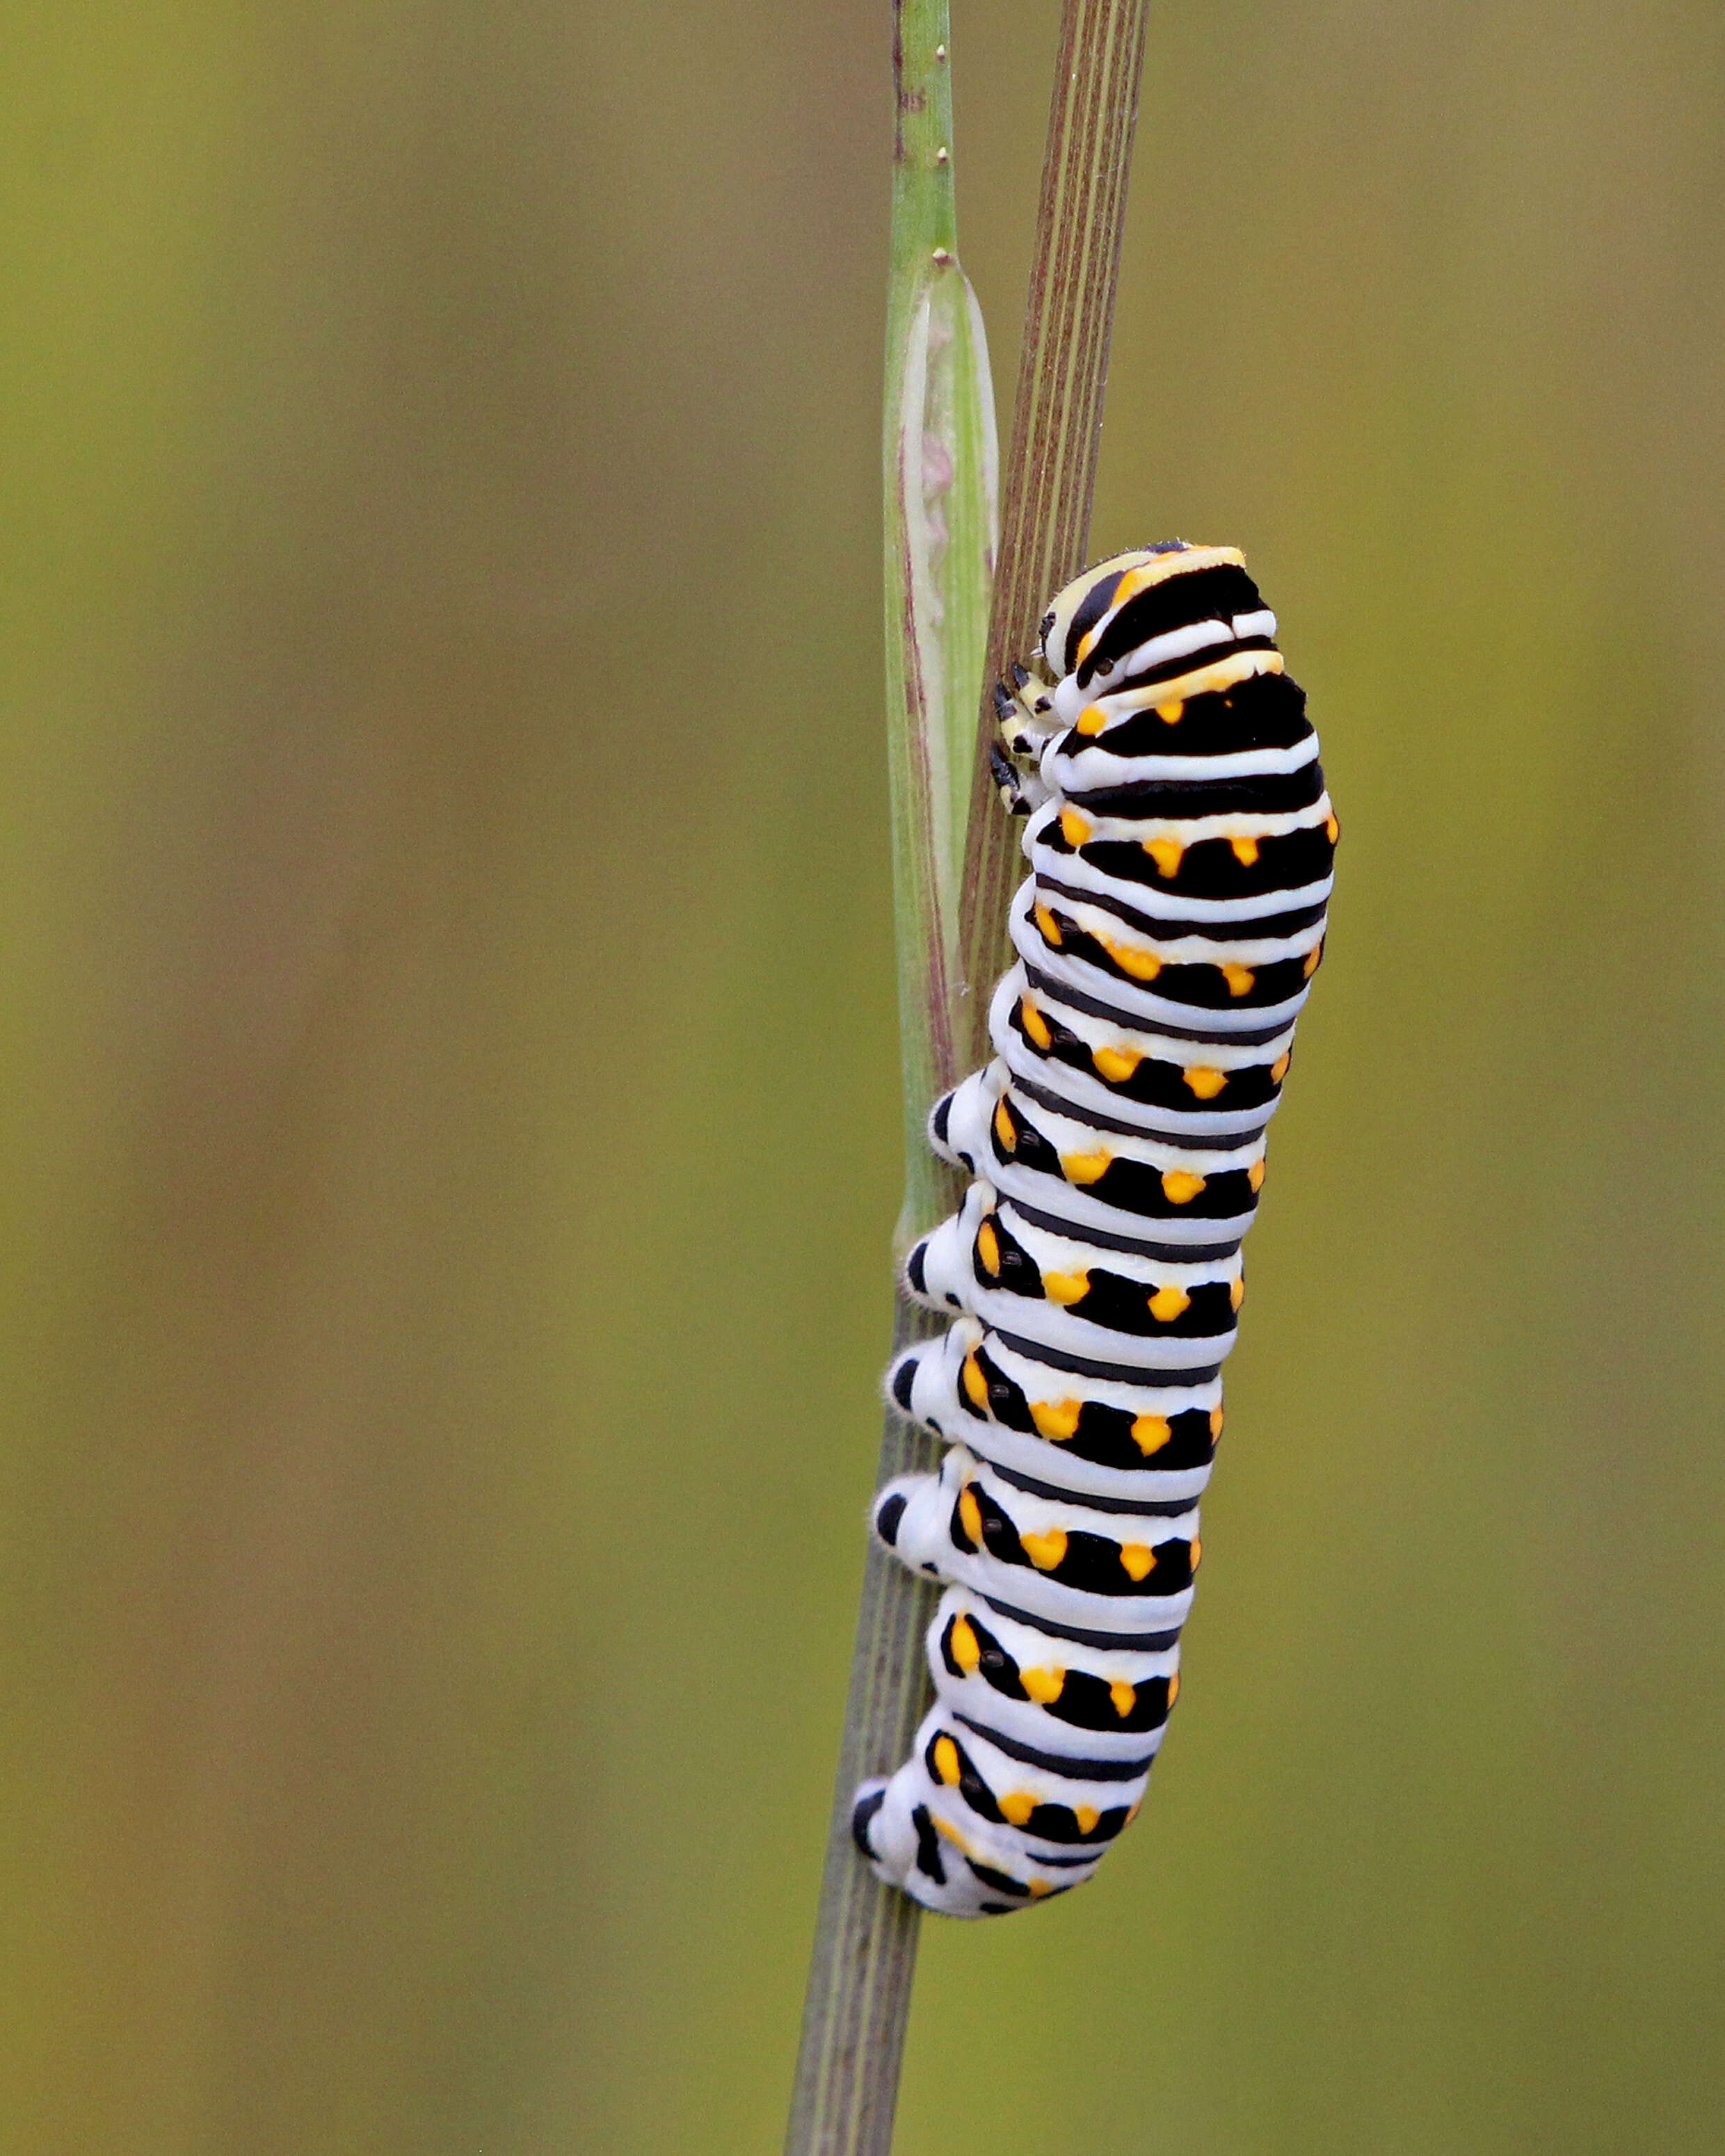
[1057, 425]
[951, 624]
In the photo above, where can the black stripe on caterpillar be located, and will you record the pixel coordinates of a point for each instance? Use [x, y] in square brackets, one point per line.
[1180, 842]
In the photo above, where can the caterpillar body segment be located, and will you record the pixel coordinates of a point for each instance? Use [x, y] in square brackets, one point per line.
[1180, 841]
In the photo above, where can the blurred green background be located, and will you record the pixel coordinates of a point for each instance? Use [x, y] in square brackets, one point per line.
[449, 1123]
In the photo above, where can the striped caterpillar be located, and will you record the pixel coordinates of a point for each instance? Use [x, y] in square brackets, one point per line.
[1180, 842]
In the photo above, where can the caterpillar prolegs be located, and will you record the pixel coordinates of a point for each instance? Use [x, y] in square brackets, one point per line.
[1180, 842]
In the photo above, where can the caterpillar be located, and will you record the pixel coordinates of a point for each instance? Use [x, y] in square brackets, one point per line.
[1181, 844]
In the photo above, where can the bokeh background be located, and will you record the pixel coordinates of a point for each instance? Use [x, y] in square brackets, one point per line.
[449, 1114]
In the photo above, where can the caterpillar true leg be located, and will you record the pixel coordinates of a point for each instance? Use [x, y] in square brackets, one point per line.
[1180, 842]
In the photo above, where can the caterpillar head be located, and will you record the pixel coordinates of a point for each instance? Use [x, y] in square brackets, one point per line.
[1090, 598]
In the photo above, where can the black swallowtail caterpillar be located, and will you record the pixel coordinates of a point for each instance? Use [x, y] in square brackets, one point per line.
[1180, 842]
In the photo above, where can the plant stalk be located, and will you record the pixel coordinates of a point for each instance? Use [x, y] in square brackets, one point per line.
[954, 853]
[1057, 427]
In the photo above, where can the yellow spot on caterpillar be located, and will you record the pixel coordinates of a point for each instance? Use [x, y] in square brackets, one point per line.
[1045, 1551]
[1056, 1419]
[1016, 1806]
[1084, 1167]
[1137, 1561]
[1314, 960]
[1130, 585]
[967, 1650]
[1216, 1419]
[1049, 926]
[1205, 1081]
[1117, 1064]
[953, 1835]
[1255, 1175]
[1141, 965]
[1168, 1303]
[1065, 1287]
[1159, 568]
[1035, 1024]
[1171, 714]
[1038, 1888]
[1279, 1069]
[1045, 1687]
[1174, 1687]
[1166, 853]
[1150, 1433]
[975, 1383]
[946, 1761]
[1088, 1817]
[1004, 1129]
[1179, 1186]
[1075, 829]
[1239, 979]
[1215, 679]
[1196, 1553]
[987, 1247]
[1091, 720]
[1124, 1695]
[1244, 851]
[1236, 1293]
[970, 1514]
[1332, 829]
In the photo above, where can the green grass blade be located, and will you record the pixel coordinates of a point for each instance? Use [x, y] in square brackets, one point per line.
[941, 459]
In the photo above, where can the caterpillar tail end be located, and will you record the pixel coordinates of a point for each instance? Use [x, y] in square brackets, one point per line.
[896, 1832]
[891, 1831]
